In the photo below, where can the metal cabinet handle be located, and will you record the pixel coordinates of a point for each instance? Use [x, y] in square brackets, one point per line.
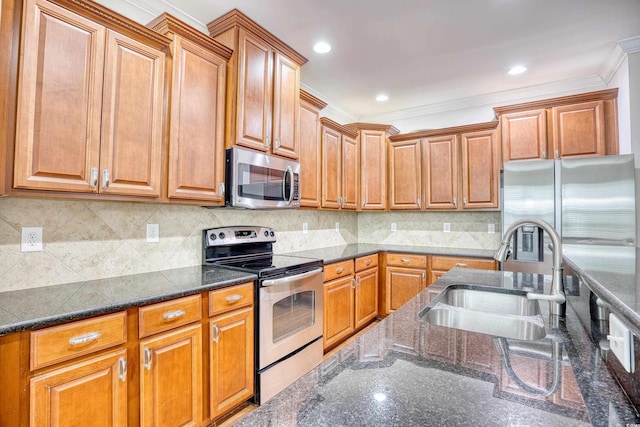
[367, 262]
[455, 202]
[464, 200]
[122, 369]
[358, 281]
[171, 315]
[215, 333]
[557, 155]
[424, 277]
[461, 264]
[105, 179]
[93, 182]
[234, 298]
[267, 142]
[277, 143]
[147, 359]
[363, 202]
[419, 203]
[544, 154]
[339, 270]
[221, 189]
[85, 338]
[353, 283]
[405, 260]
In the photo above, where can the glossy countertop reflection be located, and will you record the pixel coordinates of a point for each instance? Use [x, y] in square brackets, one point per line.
[404, 371]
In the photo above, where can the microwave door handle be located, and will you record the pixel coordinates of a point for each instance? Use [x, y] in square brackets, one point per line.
[287, 171]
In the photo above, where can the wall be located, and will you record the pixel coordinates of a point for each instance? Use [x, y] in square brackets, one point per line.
[86, 240]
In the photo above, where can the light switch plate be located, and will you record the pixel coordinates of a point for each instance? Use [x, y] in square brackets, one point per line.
[621, 342]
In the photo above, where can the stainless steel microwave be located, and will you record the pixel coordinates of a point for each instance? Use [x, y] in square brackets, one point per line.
[256, 180]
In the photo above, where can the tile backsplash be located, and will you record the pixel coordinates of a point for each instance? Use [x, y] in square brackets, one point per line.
[86, 240]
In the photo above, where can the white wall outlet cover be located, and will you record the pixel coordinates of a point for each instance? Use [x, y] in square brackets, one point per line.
[31, 239]
[337, 226]
[305, 227]
[394, 226]
[621, 342]
[491, 229]
[153, 233]
[446, 227]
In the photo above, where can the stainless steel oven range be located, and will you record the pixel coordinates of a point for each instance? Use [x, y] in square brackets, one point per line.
[289, 295]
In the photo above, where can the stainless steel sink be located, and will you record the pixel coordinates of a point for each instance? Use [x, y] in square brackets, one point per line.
[500, 312]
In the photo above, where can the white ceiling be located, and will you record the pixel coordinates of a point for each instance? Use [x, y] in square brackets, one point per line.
[426, 52]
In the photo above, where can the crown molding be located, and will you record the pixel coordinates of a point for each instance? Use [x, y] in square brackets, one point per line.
[331, 109]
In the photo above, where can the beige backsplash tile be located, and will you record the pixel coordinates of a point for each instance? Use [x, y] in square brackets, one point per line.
[86, 240]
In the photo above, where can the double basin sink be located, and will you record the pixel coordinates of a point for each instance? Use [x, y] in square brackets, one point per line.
[506, 313]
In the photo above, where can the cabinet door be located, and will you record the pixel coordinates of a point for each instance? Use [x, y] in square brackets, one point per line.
[133, 96]
[405, 175]
[310, 156]
[231, 347]
[441, 172]
[171, 378]
[524, 135]
[366, 297]
[578, 129]
[196, 135]
[480, 169]
[331, 168]
[403, 284]
[89, 393]
[338, 310]
[254, 93]
[373, 170]
[350, 172]
[59, 100]
[286, 107]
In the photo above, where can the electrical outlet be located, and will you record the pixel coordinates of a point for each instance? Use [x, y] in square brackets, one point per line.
[491, 228]
[305, 228]
[31, 240]
[446, 227]
[337, 227]
[394, 226]
[153, 233]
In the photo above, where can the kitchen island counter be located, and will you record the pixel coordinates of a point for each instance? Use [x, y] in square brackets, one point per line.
[404, 371]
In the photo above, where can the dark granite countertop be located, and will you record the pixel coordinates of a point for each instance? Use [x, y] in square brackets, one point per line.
[341, 253]
[404, 371]
[33, 308]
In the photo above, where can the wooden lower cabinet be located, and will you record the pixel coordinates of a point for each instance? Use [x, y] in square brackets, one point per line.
[338, 310]
[366, 296]
[231, 360]
[88, 393]
[440, 265]
[405, 276]
[171, 378]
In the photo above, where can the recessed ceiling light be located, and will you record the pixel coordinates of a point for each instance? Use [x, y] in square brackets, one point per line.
[518, 69]
[382, 98]
[322, 47]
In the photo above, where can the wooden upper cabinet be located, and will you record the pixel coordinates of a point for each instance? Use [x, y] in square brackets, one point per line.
[264, 84]
[524, 135]
[480, 169]
[454, 168]
[570, 126]
[340, 166]
[440, 158]
[196, 113]
[373, 140]
[405, 175]
[310, 150]
[90, 102]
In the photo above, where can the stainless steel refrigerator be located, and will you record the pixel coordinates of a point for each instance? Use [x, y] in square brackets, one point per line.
[588, 200]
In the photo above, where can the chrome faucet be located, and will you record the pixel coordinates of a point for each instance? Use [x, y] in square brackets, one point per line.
[556, 294]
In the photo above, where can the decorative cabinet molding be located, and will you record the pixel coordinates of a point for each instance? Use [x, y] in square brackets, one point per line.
[340, 166]
[310, 150]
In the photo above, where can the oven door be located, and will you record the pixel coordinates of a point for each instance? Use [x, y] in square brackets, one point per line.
[260, 181]
[290, 312]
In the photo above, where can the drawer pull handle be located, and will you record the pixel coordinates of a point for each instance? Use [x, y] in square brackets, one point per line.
[461, 264]
[122, 369]
[215, 332]
[368, 262]
[147, 359]
[85, 338]
[405, 260]
[339, 270]
[171, 315]
[234, 298]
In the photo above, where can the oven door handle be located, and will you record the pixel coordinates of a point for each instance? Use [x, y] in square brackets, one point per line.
[288, 279]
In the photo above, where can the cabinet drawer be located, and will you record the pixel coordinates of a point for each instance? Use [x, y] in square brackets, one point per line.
[365, 262]
[230, 298]
[447, 263]
[169, 314]
[338, 269]
[406, 260]
[64, 342]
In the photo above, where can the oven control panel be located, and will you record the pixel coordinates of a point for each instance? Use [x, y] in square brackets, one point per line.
[238, 235]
